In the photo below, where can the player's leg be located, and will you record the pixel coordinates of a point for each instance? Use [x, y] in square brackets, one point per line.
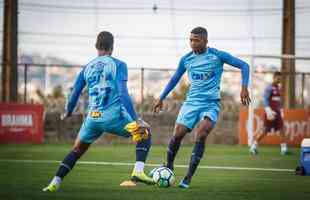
[280, 127]
[283, 144]
[202, 132]
[257, 138]
[260, 136]
[67, 164]
[126, 127]
[174, 144]
[87, 135]
[268, 125]
[142, 149]
[208, 115]
[186, 121]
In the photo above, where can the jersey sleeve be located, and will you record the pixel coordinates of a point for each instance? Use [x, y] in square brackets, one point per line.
[174, 79]
[238, 63]
[122, 72]
[76, 92]
[266, 96]
[121, 80]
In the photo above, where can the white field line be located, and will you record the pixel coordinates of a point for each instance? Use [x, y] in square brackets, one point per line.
[153, 165]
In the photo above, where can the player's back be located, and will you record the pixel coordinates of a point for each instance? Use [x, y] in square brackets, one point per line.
[100, 77]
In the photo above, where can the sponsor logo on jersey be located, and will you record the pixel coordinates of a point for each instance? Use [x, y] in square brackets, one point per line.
[95, 114]
[202, 76]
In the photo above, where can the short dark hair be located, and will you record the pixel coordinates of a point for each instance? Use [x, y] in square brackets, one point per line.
[277, 73]
[105, 41]
[200, 31]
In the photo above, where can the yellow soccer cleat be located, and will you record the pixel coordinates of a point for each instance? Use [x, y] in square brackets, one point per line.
[141, 177]
[52, 187]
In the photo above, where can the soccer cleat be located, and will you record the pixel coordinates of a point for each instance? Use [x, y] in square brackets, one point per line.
[253, 151]
[184, 184]
[52, 187]
[284, 152]
[141, 177]
[128, 184]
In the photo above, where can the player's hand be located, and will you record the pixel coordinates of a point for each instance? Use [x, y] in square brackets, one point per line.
[65, 115]
[245, 96]
[158, 106]
[282, 113]
[270, 113]
[143, 124]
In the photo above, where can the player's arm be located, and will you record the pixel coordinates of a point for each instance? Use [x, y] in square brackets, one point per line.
[122, 78]
[245, 73]
[266, 96]
[138, 128]
[76, 92]
[126, 100]
[269, 112]
[171, 84]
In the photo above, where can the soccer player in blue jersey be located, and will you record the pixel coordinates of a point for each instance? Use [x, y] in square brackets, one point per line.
[110, 110]
[200, 110]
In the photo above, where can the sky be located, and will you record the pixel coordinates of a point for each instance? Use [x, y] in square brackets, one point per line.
[146, 38]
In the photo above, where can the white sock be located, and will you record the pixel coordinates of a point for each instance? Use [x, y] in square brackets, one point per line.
[254, 144]
[56, 180]
[283, 146]
[139, 167]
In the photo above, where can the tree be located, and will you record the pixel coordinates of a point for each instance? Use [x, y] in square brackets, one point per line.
[54, 102]
[180, 93]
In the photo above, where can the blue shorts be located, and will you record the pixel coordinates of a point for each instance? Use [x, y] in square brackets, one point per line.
[190, 115]
[113, 120]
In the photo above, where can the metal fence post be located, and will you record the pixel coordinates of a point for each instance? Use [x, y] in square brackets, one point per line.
[142, 85]
[25, 82]
[302, 90]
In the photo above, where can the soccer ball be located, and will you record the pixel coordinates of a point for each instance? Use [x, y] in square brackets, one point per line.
[152, 172]
[162, 176]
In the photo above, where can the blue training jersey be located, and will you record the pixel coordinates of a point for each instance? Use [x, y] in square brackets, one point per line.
[106, 80]
[204, 72]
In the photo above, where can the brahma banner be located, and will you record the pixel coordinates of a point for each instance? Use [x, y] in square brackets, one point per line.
[296, 126]
[21, 123]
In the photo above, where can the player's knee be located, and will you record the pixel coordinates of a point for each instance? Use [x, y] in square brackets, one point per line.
[179, 133]
[204, 128]
[79, 150]
[149, 135]
[264, 133]
[177, 138]
[201, 136]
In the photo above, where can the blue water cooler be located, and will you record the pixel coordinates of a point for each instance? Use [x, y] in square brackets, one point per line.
[305, 156]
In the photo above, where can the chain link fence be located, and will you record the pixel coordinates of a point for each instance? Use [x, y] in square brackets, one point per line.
[50, 85]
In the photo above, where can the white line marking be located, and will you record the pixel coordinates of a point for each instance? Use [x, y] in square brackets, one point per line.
[153, 165]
